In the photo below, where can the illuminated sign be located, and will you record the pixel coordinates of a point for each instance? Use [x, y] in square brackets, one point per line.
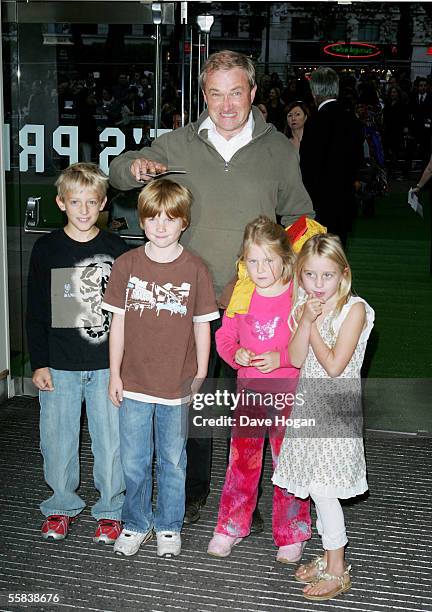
[429, 51]
[352, 50]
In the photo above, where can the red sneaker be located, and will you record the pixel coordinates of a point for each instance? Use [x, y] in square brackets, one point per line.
[56, 526]
[107, 531]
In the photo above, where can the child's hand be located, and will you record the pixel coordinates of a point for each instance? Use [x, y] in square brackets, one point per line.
[243, 357]
[195, 387]
[312, 309]
[42, 379]
[299, 312]
[266, 362]
[115, 390]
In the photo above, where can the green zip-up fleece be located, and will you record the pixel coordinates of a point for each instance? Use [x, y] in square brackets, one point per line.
[263, 177]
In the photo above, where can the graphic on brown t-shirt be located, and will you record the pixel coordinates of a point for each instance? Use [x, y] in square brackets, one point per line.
[141, 294]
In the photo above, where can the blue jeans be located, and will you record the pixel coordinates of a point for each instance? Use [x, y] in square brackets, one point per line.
[137, 444]
[60, 418]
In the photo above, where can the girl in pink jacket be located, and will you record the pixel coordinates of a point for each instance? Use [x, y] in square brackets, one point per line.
[256, 345]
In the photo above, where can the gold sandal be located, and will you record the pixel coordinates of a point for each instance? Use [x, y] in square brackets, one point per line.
[344, 585]
[319, 563]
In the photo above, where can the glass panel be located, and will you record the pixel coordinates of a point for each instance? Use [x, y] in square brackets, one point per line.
[75, 90]
[369, 31]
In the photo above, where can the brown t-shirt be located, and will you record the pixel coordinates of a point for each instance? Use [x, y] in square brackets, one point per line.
[160, 303]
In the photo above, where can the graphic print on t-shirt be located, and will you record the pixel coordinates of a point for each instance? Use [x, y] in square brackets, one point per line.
[76, 297]
[142, 294]
[263, 330]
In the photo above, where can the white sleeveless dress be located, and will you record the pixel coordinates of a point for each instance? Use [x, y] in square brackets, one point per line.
[327, 459]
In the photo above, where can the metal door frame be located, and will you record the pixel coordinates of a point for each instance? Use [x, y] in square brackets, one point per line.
[65, 11]
[6, 387]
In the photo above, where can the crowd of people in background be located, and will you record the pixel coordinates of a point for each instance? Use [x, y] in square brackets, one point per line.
[396, 113]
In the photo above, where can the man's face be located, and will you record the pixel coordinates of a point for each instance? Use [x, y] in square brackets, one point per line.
[422, 87]
[229, 99]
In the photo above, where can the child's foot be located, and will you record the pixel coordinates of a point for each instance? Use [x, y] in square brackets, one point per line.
[107, 531]
[221, 545]
[56, 526]
[168, 544]
[291, 553]
[328, 586]
[307, 572]
[128, 543]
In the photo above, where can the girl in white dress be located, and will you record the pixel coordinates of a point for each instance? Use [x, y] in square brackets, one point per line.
[327, 462]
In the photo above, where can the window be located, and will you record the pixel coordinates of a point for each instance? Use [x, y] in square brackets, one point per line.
[368, 31]
[229, 26]
[302, 28]
[336, 30]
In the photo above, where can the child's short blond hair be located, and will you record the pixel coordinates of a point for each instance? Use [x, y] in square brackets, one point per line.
[79, 176]
[166, 196]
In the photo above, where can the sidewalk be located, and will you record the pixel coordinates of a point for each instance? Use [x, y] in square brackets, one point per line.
[390, 541]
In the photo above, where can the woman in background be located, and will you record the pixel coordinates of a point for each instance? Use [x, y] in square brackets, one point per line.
[296, 117]
[275, 109]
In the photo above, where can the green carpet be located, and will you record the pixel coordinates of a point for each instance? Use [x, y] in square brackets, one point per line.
[390, 259]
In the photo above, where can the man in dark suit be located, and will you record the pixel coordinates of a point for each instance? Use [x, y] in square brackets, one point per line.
[331, 152]
[421, 118]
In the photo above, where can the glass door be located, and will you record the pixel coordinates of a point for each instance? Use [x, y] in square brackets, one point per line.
[83, 81]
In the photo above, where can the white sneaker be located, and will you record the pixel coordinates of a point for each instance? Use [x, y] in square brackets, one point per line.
[129, 542]
[168, 543]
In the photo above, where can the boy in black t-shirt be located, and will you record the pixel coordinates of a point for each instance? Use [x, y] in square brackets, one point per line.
[68, 343]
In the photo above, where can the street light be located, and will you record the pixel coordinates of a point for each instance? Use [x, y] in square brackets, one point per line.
[205, 23]
[156, 9]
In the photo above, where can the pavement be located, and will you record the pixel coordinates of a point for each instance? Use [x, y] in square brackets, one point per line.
[390, 545]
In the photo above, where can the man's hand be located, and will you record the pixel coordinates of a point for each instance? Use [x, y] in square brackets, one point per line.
[142, 168]
[243, 357]
[266, 362]
[115, 390]
[42, 379]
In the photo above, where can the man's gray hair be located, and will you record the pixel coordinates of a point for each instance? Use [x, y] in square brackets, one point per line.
[227, 60]
[324, 83]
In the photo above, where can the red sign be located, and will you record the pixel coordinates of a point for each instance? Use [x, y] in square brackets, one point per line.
[187, 47]
[429, 51]
[352, 50]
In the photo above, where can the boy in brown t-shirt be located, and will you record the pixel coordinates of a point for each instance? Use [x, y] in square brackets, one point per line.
[163, 299]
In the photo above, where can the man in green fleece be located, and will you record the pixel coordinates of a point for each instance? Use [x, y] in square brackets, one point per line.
[237, 167]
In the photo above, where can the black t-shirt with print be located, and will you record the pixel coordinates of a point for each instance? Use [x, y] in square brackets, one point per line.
[66, 327]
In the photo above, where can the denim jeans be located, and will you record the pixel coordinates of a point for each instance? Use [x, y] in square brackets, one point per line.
[60, 418]
[137, 444]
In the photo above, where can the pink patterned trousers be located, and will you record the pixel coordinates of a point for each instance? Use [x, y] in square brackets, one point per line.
[291, 520]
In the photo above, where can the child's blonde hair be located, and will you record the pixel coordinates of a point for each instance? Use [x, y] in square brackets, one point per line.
[330, 246]
[267, 234]
[80, 176]
[166, 196]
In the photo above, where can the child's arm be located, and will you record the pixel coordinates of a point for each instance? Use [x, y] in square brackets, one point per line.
[299, 344]
[116, 349]
[334, 360]
[37, 322]
[228, 346]
[202, 344]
